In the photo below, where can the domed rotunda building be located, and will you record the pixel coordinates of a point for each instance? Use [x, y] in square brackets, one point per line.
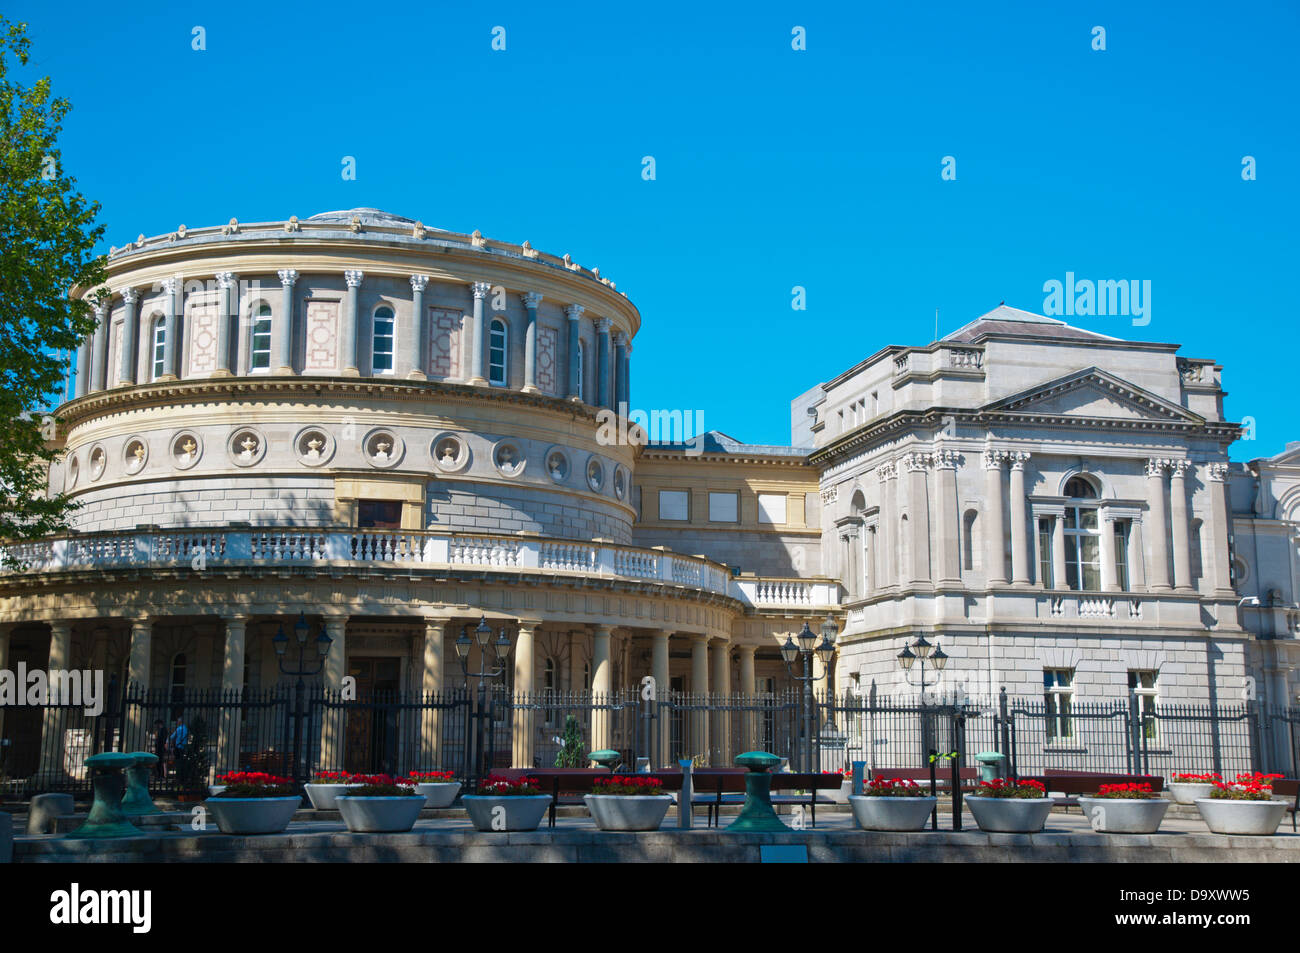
[391, 431]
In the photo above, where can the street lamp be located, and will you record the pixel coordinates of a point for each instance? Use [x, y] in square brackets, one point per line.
[921, 649]
[321, 650]
[805, 644]
[486, 711]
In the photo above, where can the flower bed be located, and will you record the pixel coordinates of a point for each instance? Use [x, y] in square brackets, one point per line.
[1131, 808]
[892, 804]
[507, 804]
[1004, 805]
[628, 803]
[378, 803]
[1243, 806]
[253, 802]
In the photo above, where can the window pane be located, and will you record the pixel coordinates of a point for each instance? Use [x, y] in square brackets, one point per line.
[722, 507]
[771, 507]
[1088, 519]
[674, 505]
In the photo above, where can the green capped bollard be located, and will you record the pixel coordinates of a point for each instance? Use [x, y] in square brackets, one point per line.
[137, 802]
[757, 815]
[990, 764]
[106, 818]
[606, 758]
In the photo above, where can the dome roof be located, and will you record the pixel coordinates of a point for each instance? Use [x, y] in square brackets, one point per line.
[368, 216]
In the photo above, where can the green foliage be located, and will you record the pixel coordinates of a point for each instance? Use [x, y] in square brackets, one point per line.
[942, 756]
[47, 237]
[192, 766]
[573, 750]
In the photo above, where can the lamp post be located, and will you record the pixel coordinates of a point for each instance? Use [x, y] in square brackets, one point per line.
[321, 647]
[486, 711]
[807, 647]
[923, 650]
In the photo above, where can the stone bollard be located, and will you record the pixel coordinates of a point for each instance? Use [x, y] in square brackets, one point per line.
[859, 776]
[45, 810]
[757, 814]
[106, 818]
[136, 801]
[6, 838]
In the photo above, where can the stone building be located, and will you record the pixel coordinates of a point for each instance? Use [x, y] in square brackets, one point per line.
[392, 431]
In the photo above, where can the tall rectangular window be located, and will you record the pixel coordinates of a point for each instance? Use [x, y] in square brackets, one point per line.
[1045, 575]
[1082, 549]
[497, 342]
[1144, 683]
[771, 508]
[382, 351]
[260, 354]
[674, 505]
[1058, 701]
[159, 348]
[722, 507]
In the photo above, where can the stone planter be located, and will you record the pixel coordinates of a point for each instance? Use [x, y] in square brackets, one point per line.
[508, 813]
[1226, 816]
[892, 813]
[1188, 793]
[438, 793]
[842, 795]
[215, 789]
[252, 815]
[628, 812]
[1010, 815]
[1115, 815]
[379, 815]
[323, 797]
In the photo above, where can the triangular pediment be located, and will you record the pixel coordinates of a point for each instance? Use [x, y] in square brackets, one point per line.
[1093, 394]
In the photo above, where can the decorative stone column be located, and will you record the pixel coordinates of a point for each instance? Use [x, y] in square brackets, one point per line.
[531, 300]
[82, 367]
[721, 728]
[1180, 523]
[625, 373]
[620, 382]
[523, 729]
[412, 359]
[574, 313]
[282, 360]
[126, 363]
[1058, 553]
[995, 549]
[1019, 520]
[1216, 484]
[232, 688]
[602, 680]
[435, 631]
[138, 670]
[603, 397]
[351, 329]
[659, 671]
[227, 320]
[577, 680]
[171, 321]
[1106, 528]
[888, 530]
[1158, 577]
[700, 691]
[478, 341]
[52, 724]
[945, 530]
[333, 731]
[748, 688]
[99, 347]
[919, 523]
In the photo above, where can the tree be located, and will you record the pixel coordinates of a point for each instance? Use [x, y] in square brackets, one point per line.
[47, 237]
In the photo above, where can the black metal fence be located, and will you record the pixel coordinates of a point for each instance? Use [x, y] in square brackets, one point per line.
[295, 731]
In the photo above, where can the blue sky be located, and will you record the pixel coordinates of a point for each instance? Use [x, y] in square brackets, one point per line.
[775, 168]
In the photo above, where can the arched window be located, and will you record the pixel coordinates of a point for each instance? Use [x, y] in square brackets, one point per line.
[158, 348]
[497, 342]
[260, 342]
[1082, 536]
[382, 350]
[579, 358]
[968, 539]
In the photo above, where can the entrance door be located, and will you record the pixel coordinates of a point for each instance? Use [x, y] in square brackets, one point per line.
[372, 720]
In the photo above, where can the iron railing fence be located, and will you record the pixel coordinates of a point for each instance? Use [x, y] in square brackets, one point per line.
[295, 732]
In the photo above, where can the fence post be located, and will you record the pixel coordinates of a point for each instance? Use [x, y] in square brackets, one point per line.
[1134, 739]
[1004, 723]
[1254, 717]
[959, 748]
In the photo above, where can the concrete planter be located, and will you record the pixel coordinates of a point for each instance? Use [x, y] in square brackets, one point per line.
[438, 793]
[1226, 816]
[892, 813]
[628, 812]
[1188, 793]
[508, 813]
[380, 815]
[215, 789]
[1010, 815]
[842, 795]
[1114, 815]
[324, 797]
[252, 815]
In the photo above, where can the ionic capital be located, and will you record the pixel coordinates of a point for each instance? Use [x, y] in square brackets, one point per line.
[287, 277]
[531, 299]
[574, 311]
[129, 295]
[603, 325]
[481, 289]
[353, 278]
[419, 282]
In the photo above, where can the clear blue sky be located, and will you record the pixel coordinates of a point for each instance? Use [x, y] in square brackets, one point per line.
[775, 168]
